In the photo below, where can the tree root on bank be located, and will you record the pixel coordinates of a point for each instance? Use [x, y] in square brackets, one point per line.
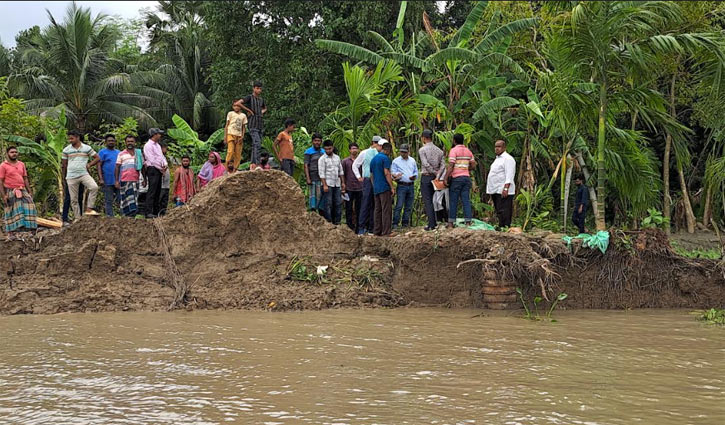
[181, 288]
[535, 265]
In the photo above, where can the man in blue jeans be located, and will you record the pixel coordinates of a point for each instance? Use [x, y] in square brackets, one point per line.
[107, 173]
[333, 182]
[460, 162]
[255, 107]
[404, 171]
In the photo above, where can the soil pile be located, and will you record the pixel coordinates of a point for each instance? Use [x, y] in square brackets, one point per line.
[247, 241]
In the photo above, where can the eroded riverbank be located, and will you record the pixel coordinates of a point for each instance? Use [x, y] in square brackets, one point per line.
[658, 367]
[234, 245]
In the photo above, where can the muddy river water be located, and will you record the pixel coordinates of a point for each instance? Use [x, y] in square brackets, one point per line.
[408, 366]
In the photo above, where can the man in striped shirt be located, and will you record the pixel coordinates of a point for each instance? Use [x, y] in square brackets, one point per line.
[75, 168]
[255, 107]
[460, 162]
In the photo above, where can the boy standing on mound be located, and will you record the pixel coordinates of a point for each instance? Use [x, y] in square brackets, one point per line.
[255, 107]
[234, 134]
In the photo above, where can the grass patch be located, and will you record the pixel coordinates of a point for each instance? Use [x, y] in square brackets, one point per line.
[708, 254]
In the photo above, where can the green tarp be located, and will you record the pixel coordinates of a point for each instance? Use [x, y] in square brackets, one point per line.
[600, 240]
[477, 224]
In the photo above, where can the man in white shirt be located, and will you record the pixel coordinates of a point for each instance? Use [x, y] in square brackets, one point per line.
[329, 167]
[500, 183]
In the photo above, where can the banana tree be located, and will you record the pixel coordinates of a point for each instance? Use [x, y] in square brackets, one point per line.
[445, 74]
[357, 119]
[187, 141]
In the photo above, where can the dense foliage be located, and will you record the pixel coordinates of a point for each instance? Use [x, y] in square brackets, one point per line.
[630, 94]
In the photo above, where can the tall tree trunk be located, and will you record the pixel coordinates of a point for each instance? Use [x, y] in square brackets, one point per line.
[689, 215]
[567, 187]
[601, 169]
[522, 162]
[667, 199]
[587, 175]
[562, 202]
[61, 194]
[528, 180]
[707, 213]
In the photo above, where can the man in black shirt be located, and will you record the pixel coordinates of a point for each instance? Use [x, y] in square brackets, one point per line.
[255, 107]
[580, 204]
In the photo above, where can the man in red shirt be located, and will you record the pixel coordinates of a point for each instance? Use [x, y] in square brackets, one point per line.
[16, 195]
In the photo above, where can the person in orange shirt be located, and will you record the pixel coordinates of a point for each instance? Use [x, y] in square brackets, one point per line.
[284, 147]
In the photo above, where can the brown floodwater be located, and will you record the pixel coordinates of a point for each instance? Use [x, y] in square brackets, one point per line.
[407, 366]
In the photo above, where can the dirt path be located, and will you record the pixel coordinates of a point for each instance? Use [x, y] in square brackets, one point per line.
[246, 242]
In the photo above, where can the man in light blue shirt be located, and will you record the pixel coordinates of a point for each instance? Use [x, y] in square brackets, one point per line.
[361, 169]
[404, 171]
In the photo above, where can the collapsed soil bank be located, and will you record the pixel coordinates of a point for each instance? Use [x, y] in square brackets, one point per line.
[236, 245]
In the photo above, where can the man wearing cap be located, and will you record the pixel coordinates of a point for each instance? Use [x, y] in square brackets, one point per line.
[404, 171]
[156, 167]
[255, 107]
[432, 162]
[362, 162]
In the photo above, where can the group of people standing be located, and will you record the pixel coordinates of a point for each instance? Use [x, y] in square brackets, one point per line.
[365, 184]
[369, 181]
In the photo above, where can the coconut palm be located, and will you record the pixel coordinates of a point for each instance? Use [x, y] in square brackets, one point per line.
[67, 67]
[178, 38]
[610, 42]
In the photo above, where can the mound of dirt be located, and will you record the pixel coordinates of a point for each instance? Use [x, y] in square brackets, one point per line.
[247, 242]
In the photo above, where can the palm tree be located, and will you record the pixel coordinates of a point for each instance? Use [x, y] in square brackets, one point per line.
[359, 118]
[608, 43]
[178, 37]
[67, 67]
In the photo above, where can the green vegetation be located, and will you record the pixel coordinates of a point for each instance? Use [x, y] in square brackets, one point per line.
[654, 219]
[629, 94]
[714, 316]
[530, 314]
[710, 254]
